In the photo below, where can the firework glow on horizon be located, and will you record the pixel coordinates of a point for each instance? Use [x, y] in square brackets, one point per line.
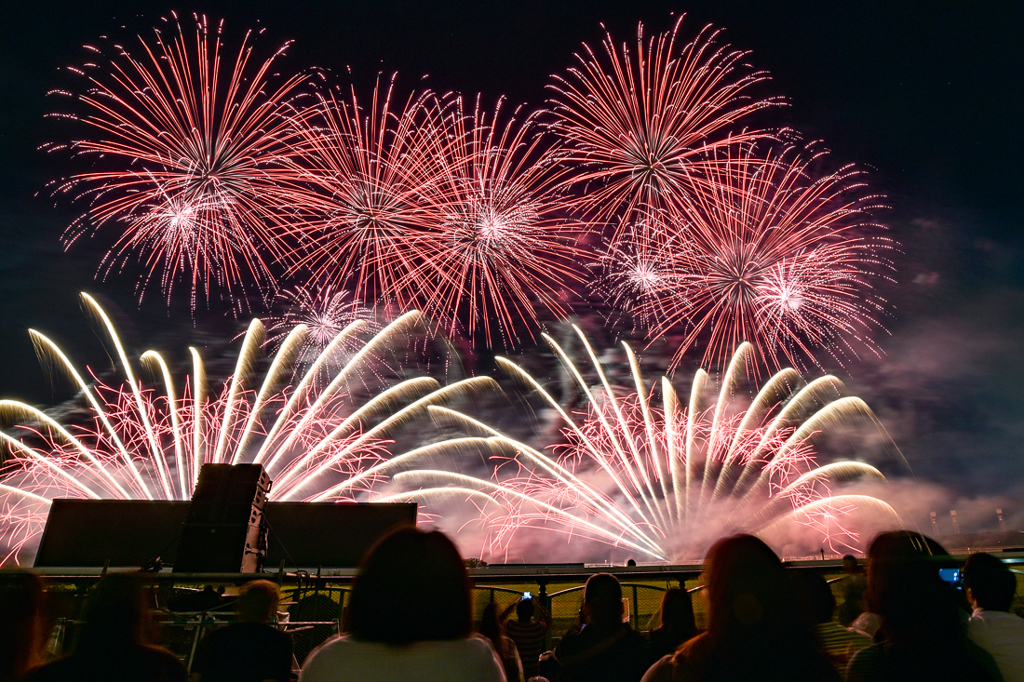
[667, 480]
[146, 440]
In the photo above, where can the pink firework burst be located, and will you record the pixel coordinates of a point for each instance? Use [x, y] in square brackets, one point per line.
[188, 141]
[499, 247]
[631, 272]
[640, 125]
[361, 217]
[771, 255]
[325, 311]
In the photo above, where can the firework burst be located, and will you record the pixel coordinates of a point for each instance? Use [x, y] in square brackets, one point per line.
[499, 247]
[630, 273]
[771, 255]
[361, 215]
[639, 125]
[187, 141]
[324, 311]
[666, 480]
[317, 443]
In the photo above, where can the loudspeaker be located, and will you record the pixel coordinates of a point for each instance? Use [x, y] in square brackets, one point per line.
[132, 533]
[329, 535]
[125, 533]
[224, 530]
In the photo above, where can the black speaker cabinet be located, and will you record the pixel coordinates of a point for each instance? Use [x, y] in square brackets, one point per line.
[118, 533]
[223, 531]
[132, 533]
[329, 535]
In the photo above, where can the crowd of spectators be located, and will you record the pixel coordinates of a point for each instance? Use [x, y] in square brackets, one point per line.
[409, 619]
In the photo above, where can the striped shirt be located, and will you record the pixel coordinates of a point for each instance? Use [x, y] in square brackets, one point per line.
[839, 643]
[530, 638]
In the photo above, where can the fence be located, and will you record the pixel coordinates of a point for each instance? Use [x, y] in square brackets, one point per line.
[316, 606]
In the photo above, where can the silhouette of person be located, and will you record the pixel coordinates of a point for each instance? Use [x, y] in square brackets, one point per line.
[924, 638]
[605, 648]
[677, 624]
[755, 629]
[854, 584]
[490, 627]
[990, 587]
[409, 619]
[251, 650]
[818, 605]
[113, 643]
[21, 624]
[529, 635]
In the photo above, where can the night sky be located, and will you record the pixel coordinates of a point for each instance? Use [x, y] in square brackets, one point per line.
[929, 96]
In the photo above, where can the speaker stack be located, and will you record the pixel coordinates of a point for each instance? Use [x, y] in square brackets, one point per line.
[224, 530]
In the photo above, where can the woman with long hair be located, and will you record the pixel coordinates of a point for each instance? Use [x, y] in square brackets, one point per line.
[490, 627]
[677, 623]
[755, 630]
[114, 643]
[21, 624]
[925, 638]
[409, 619]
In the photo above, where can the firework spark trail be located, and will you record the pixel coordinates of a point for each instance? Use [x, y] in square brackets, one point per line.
[437, 481]
[144, 440]
[498, 248]
[642, 126]
[769, 255]
[189, 145]
[23, 515]
[325, 312]
[667, 481]
[361, 215]
[629, 273]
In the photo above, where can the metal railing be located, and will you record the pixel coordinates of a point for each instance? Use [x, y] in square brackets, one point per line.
[316, 601]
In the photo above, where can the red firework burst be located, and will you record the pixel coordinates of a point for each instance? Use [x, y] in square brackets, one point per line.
[641, 124]
[771, 255]
[362, 216]
[188, 141]
[499, 247]
[631, 272]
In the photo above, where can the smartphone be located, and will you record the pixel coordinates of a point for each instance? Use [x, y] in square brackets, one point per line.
[527, 595]
[951, 576]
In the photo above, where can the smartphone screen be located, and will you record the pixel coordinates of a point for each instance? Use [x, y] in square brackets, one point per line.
[951, 576]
